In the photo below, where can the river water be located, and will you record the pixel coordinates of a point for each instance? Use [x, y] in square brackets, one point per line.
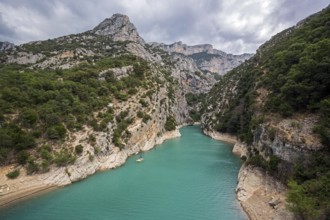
[192, 177]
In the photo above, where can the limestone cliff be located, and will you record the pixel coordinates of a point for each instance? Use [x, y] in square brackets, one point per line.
[206, 57]
[261, 195]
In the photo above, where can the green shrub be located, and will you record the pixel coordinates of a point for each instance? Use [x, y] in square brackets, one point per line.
[45, 153]
[44, 167]
[146, 118]
[28, 117]
[258, 161]
[97, 150]
[300, 203]
[170, 124]
[91, 139]
[64, 157]
[56, 132]
[32, 166]
[79, 149]
[13, 174]
[22, 157]
[273, 163]
[140, 114]
[309, 194]
[194, 115]
[143, 103]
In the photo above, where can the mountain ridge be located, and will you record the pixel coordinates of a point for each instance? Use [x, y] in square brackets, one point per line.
[206, 57]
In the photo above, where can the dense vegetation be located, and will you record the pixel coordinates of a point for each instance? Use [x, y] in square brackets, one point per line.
[237, 118]
[43, 105]
[194, 101]
[297, 70]
[294, 68]
[310, 187]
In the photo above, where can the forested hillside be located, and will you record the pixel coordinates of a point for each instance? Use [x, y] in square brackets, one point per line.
[278, 103]
[79, 99]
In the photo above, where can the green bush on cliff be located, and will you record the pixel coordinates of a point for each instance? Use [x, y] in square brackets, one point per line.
[323, 128]
[270, 165]
[300, 202]
[32, 165]
[64, 157]
[258, 161]
[309, 189]
[79, 149]
[13, 174]
[170, 124]
[22, 157]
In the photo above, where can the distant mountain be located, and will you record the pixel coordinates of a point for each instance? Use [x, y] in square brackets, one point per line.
[6, 46]
[206, 57]
[197, 72]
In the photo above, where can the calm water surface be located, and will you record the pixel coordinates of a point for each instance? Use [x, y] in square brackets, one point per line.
[192, 177]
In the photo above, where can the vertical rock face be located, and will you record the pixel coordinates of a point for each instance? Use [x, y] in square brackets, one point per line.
[190, 77]
[6, 46]
[206, 57]
[179, 47]
[289, 139]
[261, 195]
[119, 28]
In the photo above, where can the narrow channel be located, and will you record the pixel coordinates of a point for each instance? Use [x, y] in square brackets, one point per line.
[192, 177]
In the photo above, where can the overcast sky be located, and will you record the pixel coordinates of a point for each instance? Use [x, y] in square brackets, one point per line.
[234, 26]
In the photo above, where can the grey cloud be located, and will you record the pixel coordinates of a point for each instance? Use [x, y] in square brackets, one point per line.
[232, 26]
[6, 32]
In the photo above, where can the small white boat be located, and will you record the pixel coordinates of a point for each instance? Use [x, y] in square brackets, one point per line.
[139, 160]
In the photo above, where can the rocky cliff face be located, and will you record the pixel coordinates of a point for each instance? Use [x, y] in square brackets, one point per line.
[179, 47]
[6, 46]
[190, 77]
[206, 57]
[261, 195]
[118, 28]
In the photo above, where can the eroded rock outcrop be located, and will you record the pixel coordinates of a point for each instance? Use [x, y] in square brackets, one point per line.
[206, 57]
[261, 196]
[119, 28]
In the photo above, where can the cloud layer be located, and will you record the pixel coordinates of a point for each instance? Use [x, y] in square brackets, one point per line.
[233, 26]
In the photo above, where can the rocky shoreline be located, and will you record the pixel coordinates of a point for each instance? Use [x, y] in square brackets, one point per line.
[260, 195]
[26, 186]
[255, 188]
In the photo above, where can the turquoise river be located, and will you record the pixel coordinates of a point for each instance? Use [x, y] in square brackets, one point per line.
[192, 177]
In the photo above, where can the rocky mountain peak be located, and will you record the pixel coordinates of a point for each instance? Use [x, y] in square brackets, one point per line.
[119, 28]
